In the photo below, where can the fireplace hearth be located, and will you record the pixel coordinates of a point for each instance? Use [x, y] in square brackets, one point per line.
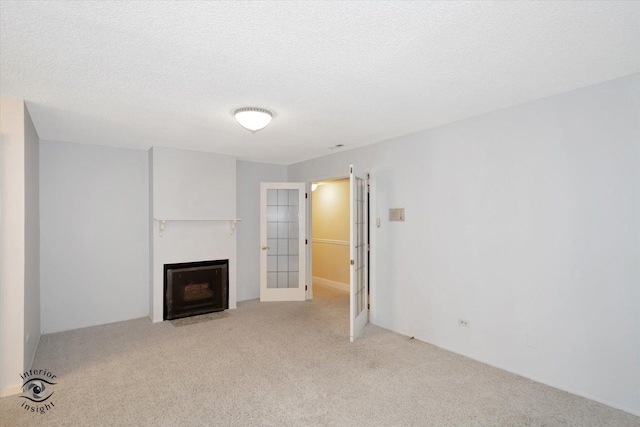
[194, 288]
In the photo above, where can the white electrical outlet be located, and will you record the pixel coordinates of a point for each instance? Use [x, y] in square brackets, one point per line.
[463, 322]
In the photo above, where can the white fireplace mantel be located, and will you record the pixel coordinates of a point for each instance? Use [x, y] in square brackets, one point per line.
[232, 222]
[193, 198]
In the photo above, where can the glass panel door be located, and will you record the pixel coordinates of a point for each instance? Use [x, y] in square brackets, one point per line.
[282, 238]
[282, 241]
[359, 312]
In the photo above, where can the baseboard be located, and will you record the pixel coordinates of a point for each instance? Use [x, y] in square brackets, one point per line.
[331, 283]
[17, 388]
[541, 381]
[10, 390]
[33, 357]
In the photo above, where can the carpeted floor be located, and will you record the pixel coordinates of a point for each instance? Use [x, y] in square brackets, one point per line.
[280, 364]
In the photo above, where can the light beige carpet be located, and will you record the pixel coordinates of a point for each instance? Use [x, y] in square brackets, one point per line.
[282, 364]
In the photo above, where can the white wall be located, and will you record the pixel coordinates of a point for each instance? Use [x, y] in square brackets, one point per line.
[32, 241]
[525, 222]
[12, 244]
[188, 185]
[94, 235]
[249, 177]
[193, 185]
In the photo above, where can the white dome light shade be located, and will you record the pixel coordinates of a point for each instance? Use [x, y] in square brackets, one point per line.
[253, 119]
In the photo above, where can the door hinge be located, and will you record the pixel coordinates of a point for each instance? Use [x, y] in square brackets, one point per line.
[306, 288]
[306, 242]
[306, 195]
[352, 263]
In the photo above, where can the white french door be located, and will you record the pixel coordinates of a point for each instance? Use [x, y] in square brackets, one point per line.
[359, 311]
[282, 240]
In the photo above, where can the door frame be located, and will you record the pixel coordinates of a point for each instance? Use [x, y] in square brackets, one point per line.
[371, 200]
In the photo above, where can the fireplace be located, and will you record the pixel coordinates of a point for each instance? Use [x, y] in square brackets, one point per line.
[194, 288]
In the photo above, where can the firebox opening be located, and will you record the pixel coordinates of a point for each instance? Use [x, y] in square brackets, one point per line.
[194, 288]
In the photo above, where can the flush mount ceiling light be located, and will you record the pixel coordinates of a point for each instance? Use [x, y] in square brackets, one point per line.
[253, 119]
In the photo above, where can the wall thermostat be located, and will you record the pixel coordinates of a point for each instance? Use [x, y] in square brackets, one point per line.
[396, 214]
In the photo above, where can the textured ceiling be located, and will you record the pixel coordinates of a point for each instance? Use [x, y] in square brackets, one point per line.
[137, 74]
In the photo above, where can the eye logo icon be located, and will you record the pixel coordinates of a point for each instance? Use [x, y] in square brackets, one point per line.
[37, 389]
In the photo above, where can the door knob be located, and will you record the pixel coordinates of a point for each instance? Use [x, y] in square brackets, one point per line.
[264, 248]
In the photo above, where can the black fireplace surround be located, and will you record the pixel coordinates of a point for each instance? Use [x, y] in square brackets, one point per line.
[194, 288]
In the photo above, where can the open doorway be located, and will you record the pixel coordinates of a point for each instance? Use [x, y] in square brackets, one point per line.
[330, 234]
[288, 235]
[339, 248]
